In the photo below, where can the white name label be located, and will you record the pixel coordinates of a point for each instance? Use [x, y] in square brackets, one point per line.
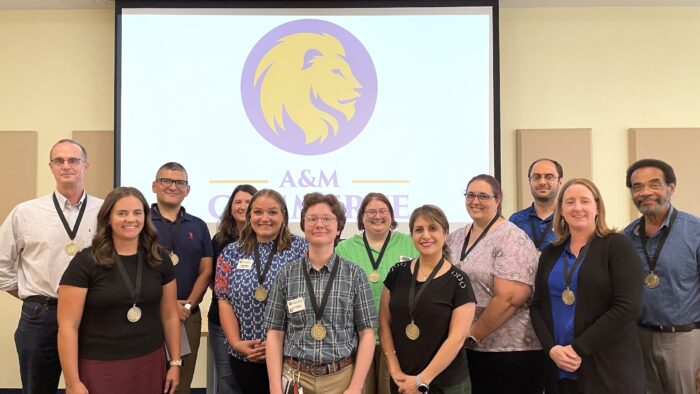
[245, 264]
[296, 305]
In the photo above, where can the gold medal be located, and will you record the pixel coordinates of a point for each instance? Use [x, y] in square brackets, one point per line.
[174, 258]
[72, 249]
[568, 297]
[374, 276]
[260, 294]
[318, 331]
[412, 331]
[651, 280]
[133, 314]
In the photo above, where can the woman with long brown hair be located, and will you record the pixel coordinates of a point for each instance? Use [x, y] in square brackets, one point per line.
[116, 305]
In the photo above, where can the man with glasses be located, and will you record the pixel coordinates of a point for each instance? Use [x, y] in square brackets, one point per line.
[42, 236]
[668, 242]
[187, 240]
[545, 176]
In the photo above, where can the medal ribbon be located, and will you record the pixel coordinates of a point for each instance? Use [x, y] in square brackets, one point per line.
[413, 297]
[135, 293]
[268, 264]
[318, 311]
[173, 229]
[71, 233]
[569, 274]
[651, 262]
[538, 240]
[466, 252]
[375, 264]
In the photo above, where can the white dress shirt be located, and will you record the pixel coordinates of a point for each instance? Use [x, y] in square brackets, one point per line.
[34, 237]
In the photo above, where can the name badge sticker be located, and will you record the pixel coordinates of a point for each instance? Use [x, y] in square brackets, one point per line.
[404, 259]
[296, 305]
[245, 264]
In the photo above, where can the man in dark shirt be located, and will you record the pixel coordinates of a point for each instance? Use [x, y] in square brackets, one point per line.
[187, 240]
[545, 176]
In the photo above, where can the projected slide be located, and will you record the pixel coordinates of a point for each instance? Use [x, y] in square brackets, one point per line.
[346, 102]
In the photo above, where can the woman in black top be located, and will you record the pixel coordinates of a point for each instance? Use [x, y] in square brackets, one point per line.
[229, 230]
[116, 303]
[425, 312]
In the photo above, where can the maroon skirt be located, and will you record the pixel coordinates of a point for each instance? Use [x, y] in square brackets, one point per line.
[140, 375]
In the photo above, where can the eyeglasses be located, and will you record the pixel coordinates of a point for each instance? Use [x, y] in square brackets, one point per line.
[547, 177]
[326, 220]
[167, 182]
[72, 161]
[372, 213]
[480, 196]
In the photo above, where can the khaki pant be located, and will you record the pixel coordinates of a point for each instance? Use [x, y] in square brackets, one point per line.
[378, 377]
[671, 360]
[334, 383]
[193, 328]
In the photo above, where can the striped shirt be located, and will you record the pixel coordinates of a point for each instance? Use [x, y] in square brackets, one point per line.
[34, 236]
[350, 309]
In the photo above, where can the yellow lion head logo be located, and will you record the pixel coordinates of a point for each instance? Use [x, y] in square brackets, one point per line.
[301, 68]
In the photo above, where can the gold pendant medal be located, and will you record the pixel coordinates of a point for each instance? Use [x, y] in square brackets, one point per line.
[72, 249]
[174, 258]
[412, 331]
[133, 314]
[568, 297]
[651, 280]
[318, 331]
[374, 276]
[260, 294]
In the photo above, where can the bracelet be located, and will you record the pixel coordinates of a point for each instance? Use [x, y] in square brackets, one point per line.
[386, 354]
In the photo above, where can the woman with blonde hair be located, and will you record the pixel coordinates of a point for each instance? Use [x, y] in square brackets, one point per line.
[587, 299]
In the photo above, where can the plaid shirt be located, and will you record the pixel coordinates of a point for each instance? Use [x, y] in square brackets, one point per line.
[350, 309]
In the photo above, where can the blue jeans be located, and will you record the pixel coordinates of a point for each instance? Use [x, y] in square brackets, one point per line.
[225, 381]
[37, 349]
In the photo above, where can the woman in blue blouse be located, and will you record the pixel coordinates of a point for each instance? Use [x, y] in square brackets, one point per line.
[245, 271]
[587, 298]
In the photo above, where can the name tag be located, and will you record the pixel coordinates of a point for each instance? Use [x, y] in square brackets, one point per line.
[404, 259]
[296, 305]
[245, 264]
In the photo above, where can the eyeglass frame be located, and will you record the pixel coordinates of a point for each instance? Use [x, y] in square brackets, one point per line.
[546, 177]
[480, 196]
[179, 183]
[72, 161]
[373, 213]
[325, 220]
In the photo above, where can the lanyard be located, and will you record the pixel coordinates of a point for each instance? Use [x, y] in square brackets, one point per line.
[538, 240]
[643, 237]
[261, 275]
[413, 297]
[135, 293]
[375, 264]
[465, 251]
[318, 310]
[74, 231]
[569, 273]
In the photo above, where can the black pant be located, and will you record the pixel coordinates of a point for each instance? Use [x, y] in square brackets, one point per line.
[251, 377]
[567, 386]
[35, 339]
[506, 372]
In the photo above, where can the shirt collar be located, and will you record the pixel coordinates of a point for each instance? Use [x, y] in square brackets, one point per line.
[155, 213]
[63, 201]
[532, 213]
[328, 266]
[666, 222]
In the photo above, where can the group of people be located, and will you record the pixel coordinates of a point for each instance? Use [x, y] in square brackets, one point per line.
[552, 300]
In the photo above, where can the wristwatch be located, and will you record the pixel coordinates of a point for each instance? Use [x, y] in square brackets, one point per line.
[472, 340]
[176, 363]
[422, 387]
[188, 306]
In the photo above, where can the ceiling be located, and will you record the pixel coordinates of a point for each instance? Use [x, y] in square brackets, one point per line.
[109, 4]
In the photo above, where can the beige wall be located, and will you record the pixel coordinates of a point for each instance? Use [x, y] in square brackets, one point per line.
[608, 69]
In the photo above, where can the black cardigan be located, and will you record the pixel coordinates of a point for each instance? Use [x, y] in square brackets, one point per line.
[605, 322]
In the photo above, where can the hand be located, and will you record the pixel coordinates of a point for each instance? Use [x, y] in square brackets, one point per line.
[253, 350]
[78, 388]
[182, 312]
[565, 358]
[407, 384]
[352, 391]
[172, 378]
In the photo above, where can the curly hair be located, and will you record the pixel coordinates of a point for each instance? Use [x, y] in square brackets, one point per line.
[336, 206]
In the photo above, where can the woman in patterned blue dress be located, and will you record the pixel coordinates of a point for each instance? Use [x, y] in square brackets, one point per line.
[245, 272]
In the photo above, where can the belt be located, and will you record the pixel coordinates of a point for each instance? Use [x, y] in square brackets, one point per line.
[42, 300]
[683, 328]
[319, 369]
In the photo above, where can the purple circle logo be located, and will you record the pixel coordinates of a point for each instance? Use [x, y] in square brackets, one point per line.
[309, 87]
